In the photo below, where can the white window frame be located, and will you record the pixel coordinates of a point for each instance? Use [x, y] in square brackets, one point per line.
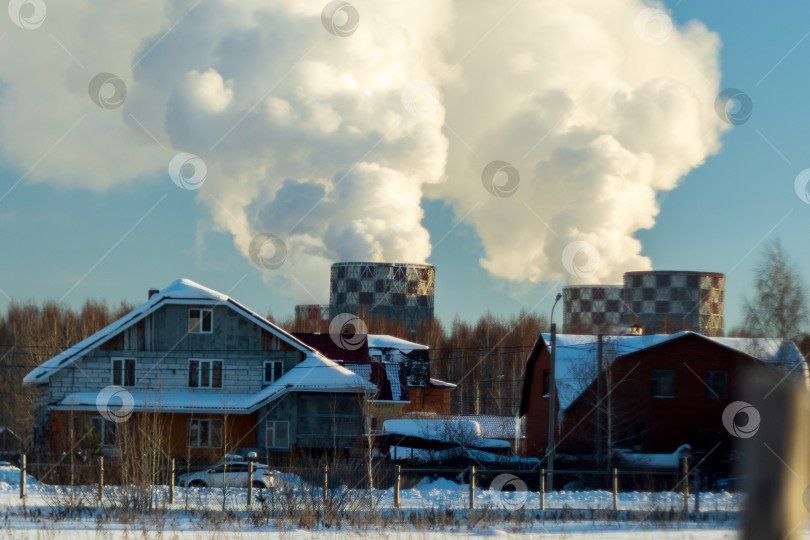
[273, 426]
[123, 361]
[273, 371]
[210, 361]
[200, 312]
[211, 423]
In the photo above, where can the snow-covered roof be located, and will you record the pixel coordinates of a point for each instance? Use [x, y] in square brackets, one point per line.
[496, 427]
[576, 370]
[377, 341]
[181, 291]
[314, 374]
[442, 384]
[465, 432]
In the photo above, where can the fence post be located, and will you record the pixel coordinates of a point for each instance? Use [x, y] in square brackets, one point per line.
[397, 485]
[685, 484]
[615, 489]
[250, 483]
[100, 478]
[542, 489]
[171, 482]
[472, 487]
[325, 481]
[22, 475]
[697, 490]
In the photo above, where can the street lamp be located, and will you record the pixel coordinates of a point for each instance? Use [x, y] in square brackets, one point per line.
[478, 391]
[552, 398]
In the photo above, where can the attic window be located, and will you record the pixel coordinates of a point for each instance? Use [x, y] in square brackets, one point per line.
[123, 371]
[200, 321]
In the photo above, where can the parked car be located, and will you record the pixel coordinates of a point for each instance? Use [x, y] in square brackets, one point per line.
[235, 475]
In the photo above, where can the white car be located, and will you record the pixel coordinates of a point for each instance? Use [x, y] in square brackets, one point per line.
[236, 475]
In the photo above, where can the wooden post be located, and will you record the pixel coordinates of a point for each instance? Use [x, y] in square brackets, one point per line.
[171, 482]
[250, 483]
[100, 478]
[542, 489]
[697, 490]
[22, 475]
[685, 484]
[325, 481]
[472, 487]
[397, 486]
[615, 489]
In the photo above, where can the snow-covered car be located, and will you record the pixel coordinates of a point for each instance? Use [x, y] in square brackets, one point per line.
[235, 475]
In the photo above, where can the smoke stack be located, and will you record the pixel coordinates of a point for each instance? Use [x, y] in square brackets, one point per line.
[152, 292]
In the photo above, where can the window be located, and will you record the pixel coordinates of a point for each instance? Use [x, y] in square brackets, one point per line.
[200, 321]
[717, 384]
[204, 433]
[366, 298]
[205, 373]
[546, 380]
[95, 427]
[105, 430]
[277, 434]
[663, 383]
[123, 371]
[273, 370]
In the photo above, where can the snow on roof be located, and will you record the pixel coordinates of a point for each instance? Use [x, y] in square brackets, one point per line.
[496, 427]
[464, 432]
[314, 374]
[179, 291]
[378, 341]
[443, 384]
[576, 354]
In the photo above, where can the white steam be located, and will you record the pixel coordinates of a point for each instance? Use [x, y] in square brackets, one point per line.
[330, 143]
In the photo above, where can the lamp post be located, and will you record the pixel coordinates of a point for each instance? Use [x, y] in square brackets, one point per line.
[552, 398]
[478, 391]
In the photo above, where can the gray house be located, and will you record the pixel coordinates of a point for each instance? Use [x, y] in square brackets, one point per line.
[205, 372]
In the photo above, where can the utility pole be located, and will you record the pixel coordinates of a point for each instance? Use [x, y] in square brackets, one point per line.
[552, 403]
[552, 398]
[600, 394]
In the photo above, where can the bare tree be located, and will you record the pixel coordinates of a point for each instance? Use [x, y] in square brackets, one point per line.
[778, 307]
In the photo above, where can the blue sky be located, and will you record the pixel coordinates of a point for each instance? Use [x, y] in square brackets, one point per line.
[77, 243]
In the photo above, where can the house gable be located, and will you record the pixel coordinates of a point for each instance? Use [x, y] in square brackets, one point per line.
[161, 324]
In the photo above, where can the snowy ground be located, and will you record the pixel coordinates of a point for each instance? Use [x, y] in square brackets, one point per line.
[190, 517]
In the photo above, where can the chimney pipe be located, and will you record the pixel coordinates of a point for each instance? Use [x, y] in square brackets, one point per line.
[152, 292]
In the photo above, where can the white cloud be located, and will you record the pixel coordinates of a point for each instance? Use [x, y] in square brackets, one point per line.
[325, 141]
